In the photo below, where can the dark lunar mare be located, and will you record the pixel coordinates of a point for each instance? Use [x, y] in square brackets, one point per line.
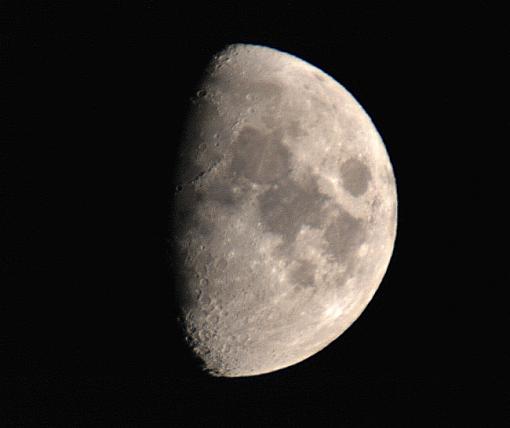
[287, 206]
[260, 158]
[304, 274]
[355, 176]
[344, 234]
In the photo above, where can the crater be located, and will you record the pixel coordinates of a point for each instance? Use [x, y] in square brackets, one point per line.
[355, 177]
[259, 157]
[286, 207]
[343, 236]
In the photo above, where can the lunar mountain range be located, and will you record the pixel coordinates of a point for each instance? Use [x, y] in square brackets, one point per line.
[284, 212]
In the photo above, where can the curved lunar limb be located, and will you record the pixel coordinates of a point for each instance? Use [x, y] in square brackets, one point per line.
[284, 215]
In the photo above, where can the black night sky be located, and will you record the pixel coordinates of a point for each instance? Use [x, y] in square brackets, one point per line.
[94, 99]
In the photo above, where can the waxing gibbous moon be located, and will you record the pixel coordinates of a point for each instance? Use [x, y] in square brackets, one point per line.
[284, 213]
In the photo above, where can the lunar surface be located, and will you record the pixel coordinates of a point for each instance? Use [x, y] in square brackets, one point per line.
[284, 213]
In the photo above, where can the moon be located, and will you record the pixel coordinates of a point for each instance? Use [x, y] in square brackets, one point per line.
[284, 212]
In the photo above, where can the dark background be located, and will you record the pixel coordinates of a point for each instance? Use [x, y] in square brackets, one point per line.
[93, 103]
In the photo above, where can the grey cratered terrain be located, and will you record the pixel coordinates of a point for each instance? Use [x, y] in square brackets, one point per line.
[285, 212]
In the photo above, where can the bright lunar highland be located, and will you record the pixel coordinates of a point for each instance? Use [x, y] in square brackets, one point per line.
[284, 214]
